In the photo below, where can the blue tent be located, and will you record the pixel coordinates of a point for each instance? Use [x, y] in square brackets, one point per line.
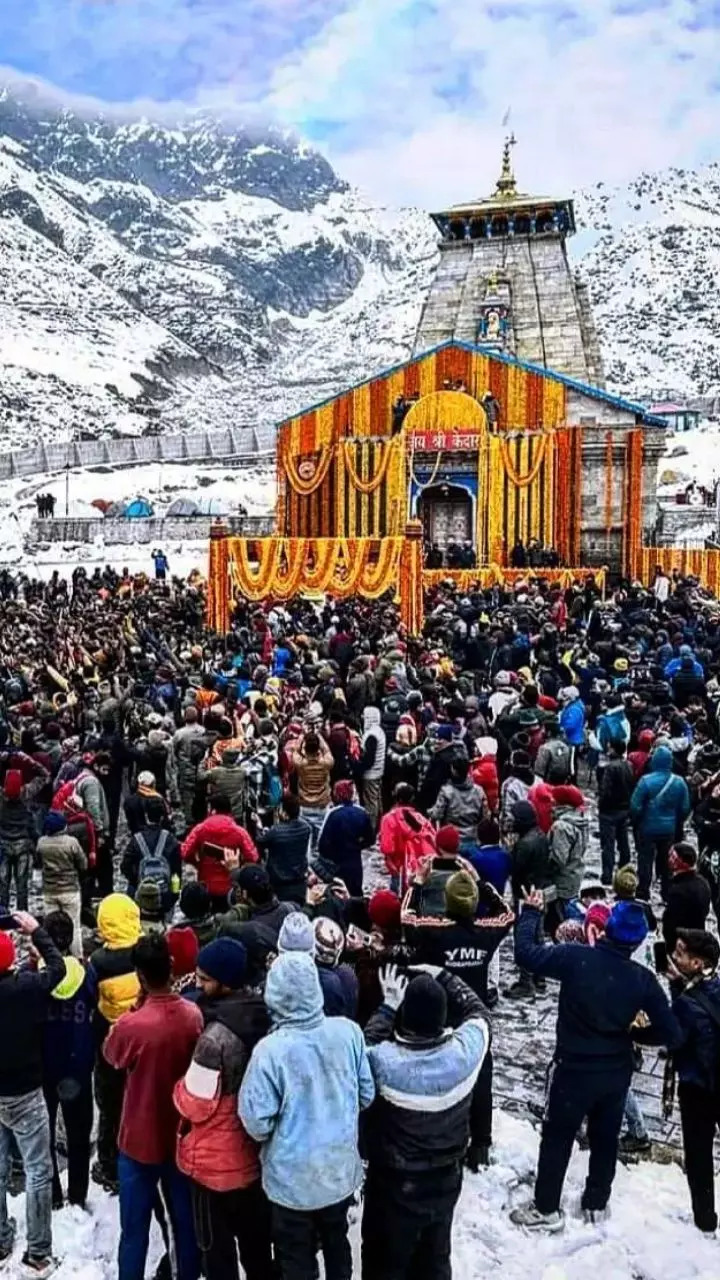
[138, 509]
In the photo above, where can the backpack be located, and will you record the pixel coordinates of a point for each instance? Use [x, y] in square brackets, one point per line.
[154, 865]
[559, 770]
[272, 785]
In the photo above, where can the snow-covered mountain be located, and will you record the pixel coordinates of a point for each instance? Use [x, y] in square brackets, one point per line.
[651, 254]
[156, 277]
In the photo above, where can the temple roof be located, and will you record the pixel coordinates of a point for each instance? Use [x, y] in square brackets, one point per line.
[643, 415]
[506, 195]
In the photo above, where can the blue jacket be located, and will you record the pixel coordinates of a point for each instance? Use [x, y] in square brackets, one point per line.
[661, 800]
[675, 664]
[697, 1060]
[572, 722]
[613, 726]
[492, 863]
[303, 1091]
[69, 1038]
[601, 991]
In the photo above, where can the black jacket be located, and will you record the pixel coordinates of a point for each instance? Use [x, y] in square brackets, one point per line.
[400, 1131]
[617, 782]
[530, 862]
[688, 904]
[286, 851]
[463, 947]
[601, 992]
[24, 1003]
[16, 821]
[697, 1061]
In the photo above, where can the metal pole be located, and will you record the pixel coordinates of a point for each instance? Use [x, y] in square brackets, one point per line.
[67, 490]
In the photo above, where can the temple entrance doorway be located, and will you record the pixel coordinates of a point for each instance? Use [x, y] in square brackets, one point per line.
[446, 514]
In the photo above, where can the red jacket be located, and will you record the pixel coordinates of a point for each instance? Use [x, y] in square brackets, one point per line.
[542, 799]
[154, 1045]
[405, 837]
[484, 772]
[221, 830]
[212, 1145]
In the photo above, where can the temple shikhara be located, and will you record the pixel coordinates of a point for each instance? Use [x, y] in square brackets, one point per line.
[497, 435]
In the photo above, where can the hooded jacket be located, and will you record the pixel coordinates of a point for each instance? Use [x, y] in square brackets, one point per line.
[213, 1147]
[111, 973]
[572, 722]
[303, 1091]
[661, 800]
[568, 839]
[420, 1121]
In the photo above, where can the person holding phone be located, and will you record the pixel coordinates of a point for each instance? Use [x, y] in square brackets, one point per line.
[24, 1000]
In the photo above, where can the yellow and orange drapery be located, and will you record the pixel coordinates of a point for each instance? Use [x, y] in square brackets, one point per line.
[633, 503]
[516, 490]
[469, 579]
[568, 493]
[356, 487]
[280, 568]
[702, 563]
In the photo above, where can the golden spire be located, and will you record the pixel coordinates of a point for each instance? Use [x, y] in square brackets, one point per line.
[506, 184]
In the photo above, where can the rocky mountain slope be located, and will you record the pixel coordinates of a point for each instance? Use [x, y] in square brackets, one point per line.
[651, 255]
[157, 278]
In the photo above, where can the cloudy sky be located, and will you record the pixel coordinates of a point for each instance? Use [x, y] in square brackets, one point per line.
[407, 97]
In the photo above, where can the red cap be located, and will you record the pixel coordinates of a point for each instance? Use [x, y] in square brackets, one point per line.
[646, 737]
[13, 784]
[447, 840]
[184, 948]
[572, 796]
[7, 952]
[384, 910]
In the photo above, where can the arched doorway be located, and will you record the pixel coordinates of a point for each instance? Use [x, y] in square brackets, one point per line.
[446, 513]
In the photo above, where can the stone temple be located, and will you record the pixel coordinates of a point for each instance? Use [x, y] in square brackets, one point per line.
[504, 281]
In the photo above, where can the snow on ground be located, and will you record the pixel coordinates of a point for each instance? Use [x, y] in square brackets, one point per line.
[688, 456]
[160, 484]
[649, 1235]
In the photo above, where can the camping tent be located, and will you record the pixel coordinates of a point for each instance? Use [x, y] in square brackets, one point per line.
[101, 504]
[182, 507]
[138, 509]
[213, 507]
[115, 511]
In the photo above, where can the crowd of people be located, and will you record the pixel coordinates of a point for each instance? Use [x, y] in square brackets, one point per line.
[271, 875]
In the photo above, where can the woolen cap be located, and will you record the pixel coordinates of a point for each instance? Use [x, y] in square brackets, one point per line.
[424, 1009]
[225, 960]
[461, 895]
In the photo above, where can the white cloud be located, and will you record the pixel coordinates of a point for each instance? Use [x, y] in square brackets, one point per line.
[407, 98]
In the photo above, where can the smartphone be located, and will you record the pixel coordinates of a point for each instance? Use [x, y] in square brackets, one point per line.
[8, 923]
[661, 957]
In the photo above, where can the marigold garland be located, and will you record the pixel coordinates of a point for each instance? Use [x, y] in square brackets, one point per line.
[633, 504]
[521, 482]
[339, 566]
[387, 448]
[608, 488]
[305, 487]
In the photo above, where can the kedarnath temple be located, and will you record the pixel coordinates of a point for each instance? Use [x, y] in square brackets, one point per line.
[497, 431]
